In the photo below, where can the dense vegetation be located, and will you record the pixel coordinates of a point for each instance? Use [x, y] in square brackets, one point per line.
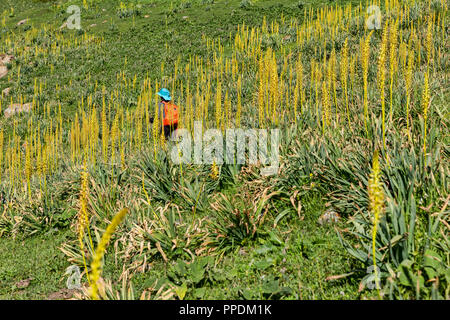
[362, 186]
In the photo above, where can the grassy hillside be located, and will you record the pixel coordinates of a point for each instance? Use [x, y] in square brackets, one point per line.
[343, 97]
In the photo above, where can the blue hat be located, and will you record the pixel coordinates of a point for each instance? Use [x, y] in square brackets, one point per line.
[165, 94]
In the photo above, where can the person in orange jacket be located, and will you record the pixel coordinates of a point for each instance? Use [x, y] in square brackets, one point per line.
[167, 112]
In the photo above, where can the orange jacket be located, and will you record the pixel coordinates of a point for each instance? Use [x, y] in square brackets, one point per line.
[170, 114]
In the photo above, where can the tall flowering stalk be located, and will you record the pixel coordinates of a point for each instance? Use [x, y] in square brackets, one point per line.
[239, 102]
[429, 42]
[105, 133]
[365, 55]
[325, 107]
[219, 104]
[155, 131]
[83, 218]
[318, 80]
[100, 252]
[408, 81]
[332, 67]
[393, 40]
[381, 81]
[1, 153]
[261, 95]
[376, 203]
[425, 103]
[344, 72]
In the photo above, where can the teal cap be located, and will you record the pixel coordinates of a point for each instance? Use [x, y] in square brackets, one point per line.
[165, 94]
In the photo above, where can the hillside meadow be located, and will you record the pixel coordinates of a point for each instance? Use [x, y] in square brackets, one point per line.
[92, 205]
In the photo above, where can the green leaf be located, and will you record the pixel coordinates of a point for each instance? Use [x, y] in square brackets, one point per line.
[432, 259]
[200, 292]
[275, 240]
[248, 294]
[180, 268]
[197, 272]
[264, 264]
[270, 287]
[264, 249]
[406, 277]
[181, 291]
[280, 216]
[431, 273]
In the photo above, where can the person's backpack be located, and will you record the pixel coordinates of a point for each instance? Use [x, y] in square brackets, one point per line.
[170, 114]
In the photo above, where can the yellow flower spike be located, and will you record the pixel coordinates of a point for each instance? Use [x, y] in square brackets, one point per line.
[100, 252]
[429, 42]
[425, 103]
[376, 203]
[408, 81]
[325, 107]
[393, 40]
[381, 78]
[344, 77]
[365, 55]
[83, 218]
[214, 171]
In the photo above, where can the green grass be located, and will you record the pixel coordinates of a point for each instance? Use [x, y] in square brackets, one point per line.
[300, 256]
[37, 258]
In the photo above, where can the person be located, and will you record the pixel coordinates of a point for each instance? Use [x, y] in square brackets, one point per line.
[167, 112]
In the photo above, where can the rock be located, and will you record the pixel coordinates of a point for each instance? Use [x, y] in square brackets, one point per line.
[330, 216]
[146, 16]
[93, 25]
[5, 58]
[22, 22]
[3, 71]
[17, 108]
[6, 91]
[23, 283]
[62, 294]
[185, 17]
[105, 21]
[63, 25]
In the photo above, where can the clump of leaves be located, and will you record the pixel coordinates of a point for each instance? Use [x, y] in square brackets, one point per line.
[161, 177]
[191, 279]
[237, 221]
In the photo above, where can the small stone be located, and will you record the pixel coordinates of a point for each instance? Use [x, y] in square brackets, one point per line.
[242, 252]
[93, 25]
[6, 91]
[63, 25]
[17, 108]
[62, 294]
[3, 71]
[22, 22]
[6, 58]
[23, 283]
[146, 16]
[330, 216]
[185, 17]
